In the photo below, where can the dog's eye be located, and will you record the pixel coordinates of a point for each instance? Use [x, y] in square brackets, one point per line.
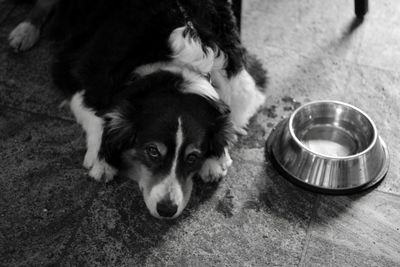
[191, 158]
[152, 152]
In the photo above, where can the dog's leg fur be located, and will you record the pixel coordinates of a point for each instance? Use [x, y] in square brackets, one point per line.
[27, 33]
[240, 93]
[235, 87]
[93, 126]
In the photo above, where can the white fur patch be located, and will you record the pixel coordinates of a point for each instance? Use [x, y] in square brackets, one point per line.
[116, 120]
[189, 51]
[179, 141]
[24, 36]
[170, 186]
[102, 171]
[214, 168]
[240, 93]
[196, 84]
[192, 60]
[93, 126]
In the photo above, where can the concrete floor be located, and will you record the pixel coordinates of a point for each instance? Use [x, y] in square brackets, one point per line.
[51, 213]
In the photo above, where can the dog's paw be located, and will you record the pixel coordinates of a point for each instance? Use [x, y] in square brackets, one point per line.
[24, 36]
[90, 159]
[240, 131]
[101, 171]
[214, 169]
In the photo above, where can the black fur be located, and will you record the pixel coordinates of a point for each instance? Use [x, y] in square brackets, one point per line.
[100, 42]
[103, 41]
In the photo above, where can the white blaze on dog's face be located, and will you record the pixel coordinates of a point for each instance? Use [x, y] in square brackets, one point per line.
[166, 196]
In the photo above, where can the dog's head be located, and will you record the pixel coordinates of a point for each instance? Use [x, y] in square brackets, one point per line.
[160, 132]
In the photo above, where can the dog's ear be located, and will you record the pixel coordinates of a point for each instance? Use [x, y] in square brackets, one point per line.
[221, 132]
[119, 132]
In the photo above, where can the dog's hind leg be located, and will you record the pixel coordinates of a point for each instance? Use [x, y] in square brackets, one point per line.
[235, 85]
[27, 33]
[240, 93]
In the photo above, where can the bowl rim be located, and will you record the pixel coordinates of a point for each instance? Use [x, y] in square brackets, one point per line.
[349, 157]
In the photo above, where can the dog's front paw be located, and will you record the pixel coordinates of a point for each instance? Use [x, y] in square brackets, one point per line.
[101, 171]
[240, 130]
[24, 36]
[90, 159]
[214, 169]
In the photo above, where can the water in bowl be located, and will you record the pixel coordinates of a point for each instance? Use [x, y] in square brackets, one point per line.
[329, 141]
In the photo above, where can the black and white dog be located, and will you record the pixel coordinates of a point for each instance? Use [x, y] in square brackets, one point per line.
[159, 87]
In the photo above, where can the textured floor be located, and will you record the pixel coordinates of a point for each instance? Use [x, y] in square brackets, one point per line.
[51, 213]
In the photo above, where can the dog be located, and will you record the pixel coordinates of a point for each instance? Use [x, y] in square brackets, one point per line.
[161, 89]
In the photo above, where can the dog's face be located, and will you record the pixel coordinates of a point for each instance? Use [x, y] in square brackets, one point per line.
[160, 138]
[163, 160]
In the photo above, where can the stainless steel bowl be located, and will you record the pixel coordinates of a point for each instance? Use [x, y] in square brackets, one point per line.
[329, 146]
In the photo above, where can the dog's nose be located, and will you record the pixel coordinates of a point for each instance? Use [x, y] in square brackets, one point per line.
[166, 208]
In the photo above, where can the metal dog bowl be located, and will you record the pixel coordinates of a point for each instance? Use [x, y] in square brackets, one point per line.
[329, 147]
